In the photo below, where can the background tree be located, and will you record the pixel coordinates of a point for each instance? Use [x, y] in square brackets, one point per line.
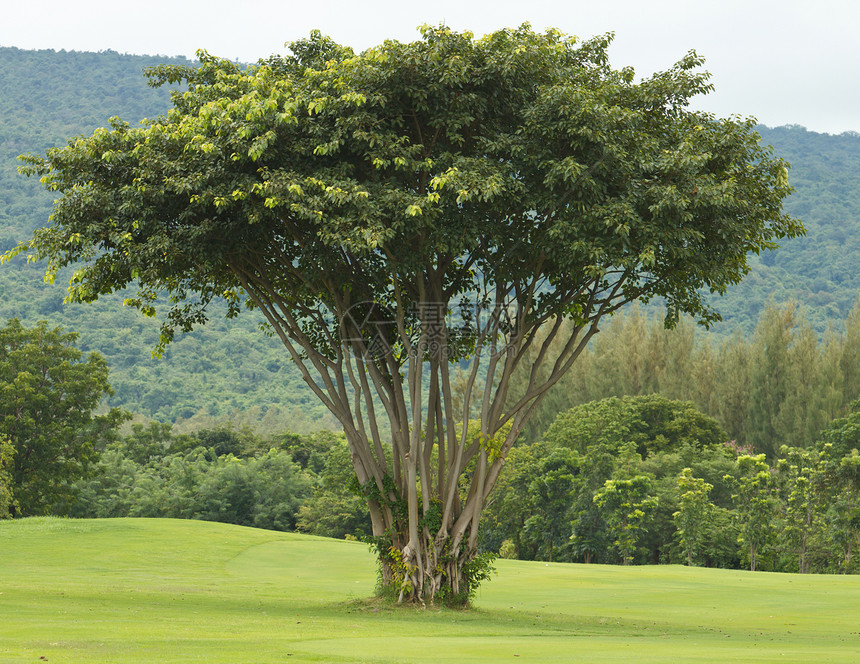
[146, 443]
[694, 511]
[755, 506]
[843, 433]
[770, 379]
[844, 515]
[7, 452]
[262, 492]
[653, 423]
[336, 507]
[48, 397]
[590, 537]
[803, 481]
[415, 206]
[666, 435]
[851, 354]
[839, 444]
[549, 502]
[509, 507]
[626, 503]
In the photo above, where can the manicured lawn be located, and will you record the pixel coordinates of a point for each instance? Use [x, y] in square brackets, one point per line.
[139, 590]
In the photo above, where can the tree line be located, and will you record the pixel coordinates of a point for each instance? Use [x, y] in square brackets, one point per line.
[62, 452]
[629, 480]
[649, 480]
[285, 482]
[779, 385]
[642, 478]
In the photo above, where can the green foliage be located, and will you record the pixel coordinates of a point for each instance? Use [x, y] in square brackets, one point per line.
[48, 96]
[818, 271]
[842, 518]
[151, 442]
[480, 568]
[228, 475]
[508, 550]
[779, 384]
[838, 451]
[653, 423]
[604, 422]
[555, 481]
[843, 433]
[707, 504]
[202, 377]
[548, 500]
[49, 393]
[7, 500]
[509, 506]
[755, 507]
[317, 452]
[803, 476]
[626, 505]
[788, 397]
[694, 512]
[263, 492]
[337, 506]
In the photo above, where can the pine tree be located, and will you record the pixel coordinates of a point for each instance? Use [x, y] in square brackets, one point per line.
[770, 376]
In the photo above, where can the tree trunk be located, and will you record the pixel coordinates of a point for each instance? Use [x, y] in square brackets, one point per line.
[391, 363]
[427, 570]
[803, 563]
[551, 542]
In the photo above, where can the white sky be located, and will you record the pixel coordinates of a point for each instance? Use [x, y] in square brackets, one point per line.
[782, 61]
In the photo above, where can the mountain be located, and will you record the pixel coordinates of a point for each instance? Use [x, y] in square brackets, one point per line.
[229, 367]
[821, 271]
[46, 98]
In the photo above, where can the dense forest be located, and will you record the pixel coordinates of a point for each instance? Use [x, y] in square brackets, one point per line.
[778, 379]
[48, 97]
[821, 271]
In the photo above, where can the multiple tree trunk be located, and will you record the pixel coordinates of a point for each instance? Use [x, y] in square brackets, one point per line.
[451, 414]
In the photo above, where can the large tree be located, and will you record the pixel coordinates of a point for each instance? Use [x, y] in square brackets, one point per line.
[413, 208]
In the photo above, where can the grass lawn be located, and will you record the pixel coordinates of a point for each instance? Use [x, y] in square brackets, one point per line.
[141, 590]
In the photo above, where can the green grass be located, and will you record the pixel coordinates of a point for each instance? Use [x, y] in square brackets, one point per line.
[138, 590]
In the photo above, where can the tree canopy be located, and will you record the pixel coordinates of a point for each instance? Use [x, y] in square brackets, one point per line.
[652, 423]
[416, 206]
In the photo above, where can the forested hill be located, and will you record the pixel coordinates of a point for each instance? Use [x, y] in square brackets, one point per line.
[47, 97]
[822, 270]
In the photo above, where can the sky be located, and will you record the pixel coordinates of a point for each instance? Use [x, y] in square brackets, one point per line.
[781, 61]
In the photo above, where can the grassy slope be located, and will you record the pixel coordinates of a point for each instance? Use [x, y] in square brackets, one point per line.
[178, 591]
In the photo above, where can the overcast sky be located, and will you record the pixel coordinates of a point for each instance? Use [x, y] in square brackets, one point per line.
[781, 61]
